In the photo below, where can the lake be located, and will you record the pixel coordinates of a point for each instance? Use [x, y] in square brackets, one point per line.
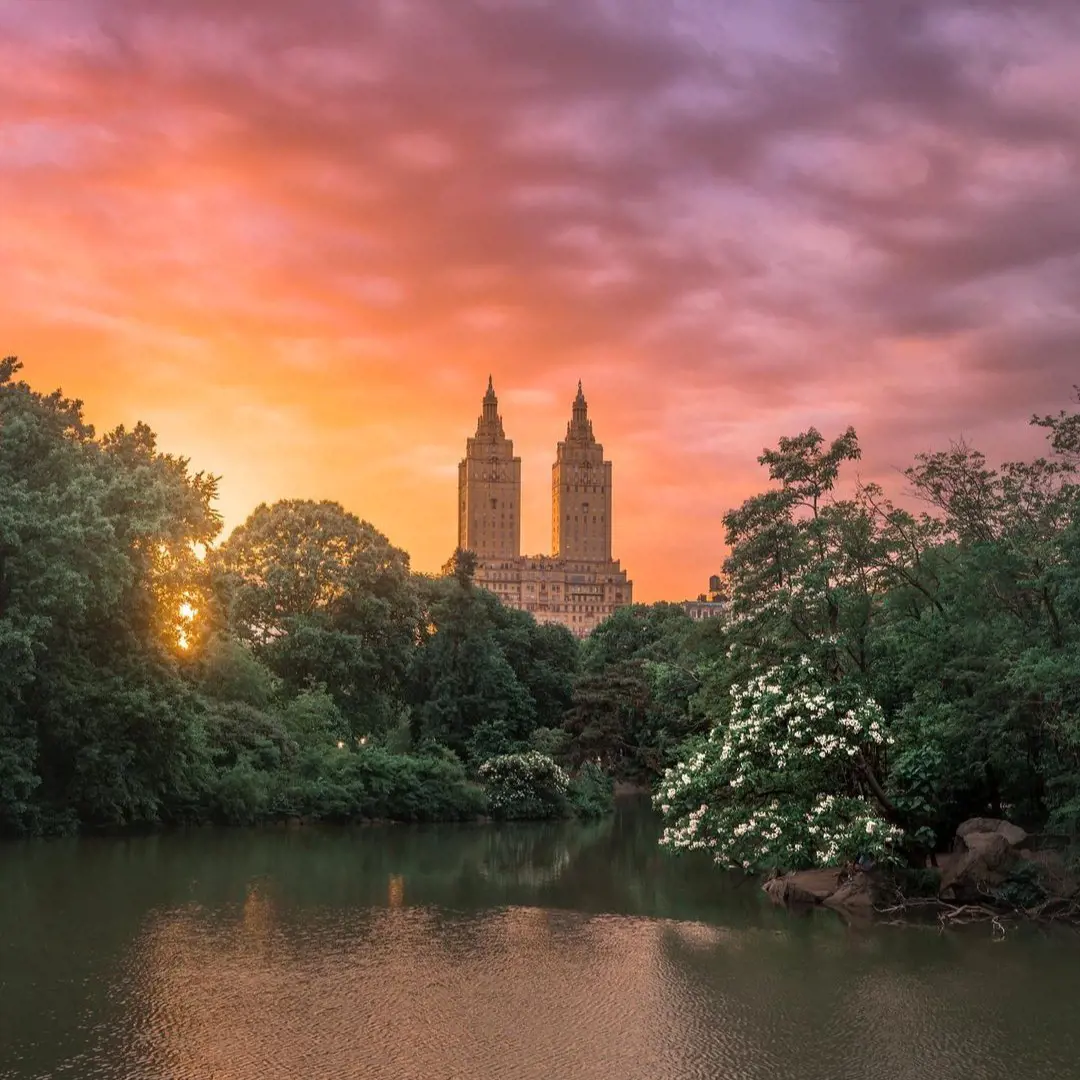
[446, 952]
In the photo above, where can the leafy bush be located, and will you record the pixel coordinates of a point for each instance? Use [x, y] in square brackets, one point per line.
[313, 719]
[240, 794]
[527, 786]
[1023, 888]
[229, 672]
[235, 731]
[591, 792]
[552, 742]
[339, 786]
[398, 740]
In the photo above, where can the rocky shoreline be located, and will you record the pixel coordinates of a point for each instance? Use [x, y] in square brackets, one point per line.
[994, 872]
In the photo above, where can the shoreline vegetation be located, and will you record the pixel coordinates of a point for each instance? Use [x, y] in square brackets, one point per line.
[889, 668]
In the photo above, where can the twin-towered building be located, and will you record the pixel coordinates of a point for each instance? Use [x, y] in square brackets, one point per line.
[579, 584]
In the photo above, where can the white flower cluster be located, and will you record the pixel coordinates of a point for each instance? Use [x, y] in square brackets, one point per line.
[752, 792]
[509, 776]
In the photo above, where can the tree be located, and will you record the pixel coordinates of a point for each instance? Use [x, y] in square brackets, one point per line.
[609, 722]
[890, 674]
[463, 691]
[798, 744]
[636, 632]
[97, 541]
[977, 656]
[634, 700]
[324, 599]
[783, 782]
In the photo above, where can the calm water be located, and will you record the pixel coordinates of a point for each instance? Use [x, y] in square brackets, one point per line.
[479, 952]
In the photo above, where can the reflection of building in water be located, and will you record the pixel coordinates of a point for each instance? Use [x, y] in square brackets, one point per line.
[710, 605]
[579, 584]
[395, 891]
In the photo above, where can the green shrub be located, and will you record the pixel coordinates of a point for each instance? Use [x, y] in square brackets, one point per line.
[312, 719]
[527, 786]
[229, 672]
[372, 783]
[591, 792]
[1023, 888]
[241, 794]
[398, 739]
[553, 742]
[235, 732]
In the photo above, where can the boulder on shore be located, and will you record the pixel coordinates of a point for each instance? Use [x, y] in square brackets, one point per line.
[987, 854]
[832, 887]
[803, 886]
[980, 826]
[858, 894]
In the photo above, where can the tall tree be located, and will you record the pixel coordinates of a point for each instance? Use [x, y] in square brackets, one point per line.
[325, 600]
[97, 542]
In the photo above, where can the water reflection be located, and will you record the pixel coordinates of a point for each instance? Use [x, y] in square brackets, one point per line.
[522, 952]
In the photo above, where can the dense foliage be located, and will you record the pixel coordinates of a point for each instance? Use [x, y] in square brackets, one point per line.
[299, 669]
[887, 674]
[884, 671]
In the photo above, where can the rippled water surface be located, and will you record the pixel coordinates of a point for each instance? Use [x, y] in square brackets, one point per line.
[475, 952]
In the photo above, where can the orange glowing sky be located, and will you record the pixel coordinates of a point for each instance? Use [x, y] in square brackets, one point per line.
[295, 239]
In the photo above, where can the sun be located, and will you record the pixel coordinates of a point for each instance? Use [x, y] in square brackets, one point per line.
[187, 613]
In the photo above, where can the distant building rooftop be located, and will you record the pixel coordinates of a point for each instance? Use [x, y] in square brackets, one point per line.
[708, 605]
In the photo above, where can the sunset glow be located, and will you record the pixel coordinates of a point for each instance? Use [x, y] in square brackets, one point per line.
[296, 239]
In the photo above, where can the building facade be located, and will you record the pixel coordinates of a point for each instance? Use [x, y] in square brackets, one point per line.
[579, 584]
[710, 605]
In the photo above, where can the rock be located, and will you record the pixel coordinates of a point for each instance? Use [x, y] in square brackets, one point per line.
[985, 854]
[858, 893]
[992, 847]
[979, 870]
[803, 886]
[1014, 835]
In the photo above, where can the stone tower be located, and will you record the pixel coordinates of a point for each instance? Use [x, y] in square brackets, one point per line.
[489, 489]
[581, 492]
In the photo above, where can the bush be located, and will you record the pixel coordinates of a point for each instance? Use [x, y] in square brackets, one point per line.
[526, 786]
[240, 794]
[591, 792]
[553, 742]
[342, 786]
[1023, 888]
[229, 672]
[312, 719]
[235, 732]
[398, 739]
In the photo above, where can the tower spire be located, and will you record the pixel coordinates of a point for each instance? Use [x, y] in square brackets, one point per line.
[579, 422]
[490, 417]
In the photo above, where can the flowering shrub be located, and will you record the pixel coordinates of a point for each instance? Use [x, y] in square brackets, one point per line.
[527, 786]
[784, 782]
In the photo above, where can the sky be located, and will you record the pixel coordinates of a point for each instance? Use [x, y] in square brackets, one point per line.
[296, 239]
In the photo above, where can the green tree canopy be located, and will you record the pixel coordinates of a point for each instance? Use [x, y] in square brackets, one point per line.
[324, 599]
[97, 555]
